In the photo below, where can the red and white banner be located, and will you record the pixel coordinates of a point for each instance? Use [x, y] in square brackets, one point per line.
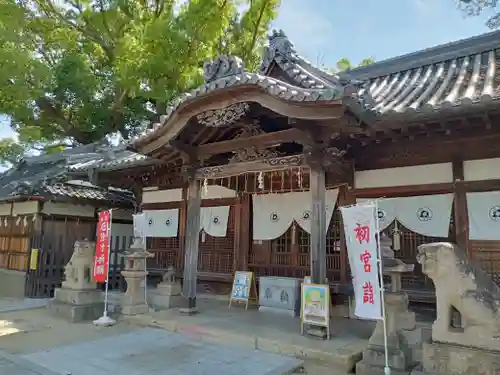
[101, 259]
[360, 228]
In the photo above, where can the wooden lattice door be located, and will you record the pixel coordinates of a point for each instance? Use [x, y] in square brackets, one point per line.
[216, 254]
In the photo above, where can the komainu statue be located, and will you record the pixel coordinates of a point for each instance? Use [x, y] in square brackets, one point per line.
[462, 285]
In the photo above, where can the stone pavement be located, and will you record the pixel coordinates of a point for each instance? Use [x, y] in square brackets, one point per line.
[15, 304]
[268, 332]
[14, 365]
[150, 351]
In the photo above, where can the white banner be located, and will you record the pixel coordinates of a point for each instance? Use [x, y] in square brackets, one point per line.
[214, 220]
[161, 223]
[273, 214]
[139, 225]
[360, 229]
[484, 215]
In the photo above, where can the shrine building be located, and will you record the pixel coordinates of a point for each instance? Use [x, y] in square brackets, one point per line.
[246, 172]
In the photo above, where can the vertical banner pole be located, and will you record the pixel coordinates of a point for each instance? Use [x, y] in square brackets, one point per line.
[387, 369]
[106, 287]
[105, 320]
[145, 268]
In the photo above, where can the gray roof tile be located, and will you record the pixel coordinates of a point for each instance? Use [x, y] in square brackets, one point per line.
[47, 176]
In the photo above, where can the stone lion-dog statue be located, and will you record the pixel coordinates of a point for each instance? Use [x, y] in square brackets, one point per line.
[472, 292]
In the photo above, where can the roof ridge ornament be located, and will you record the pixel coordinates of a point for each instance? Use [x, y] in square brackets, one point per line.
[222, 66]
[278, 43]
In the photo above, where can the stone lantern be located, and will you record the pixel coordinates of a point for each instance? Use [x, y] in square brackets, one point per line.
[134, 300]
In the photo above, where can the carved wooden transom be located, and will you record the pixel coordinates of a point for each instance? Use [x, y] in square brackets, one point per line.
[252, 153]
[223, 116]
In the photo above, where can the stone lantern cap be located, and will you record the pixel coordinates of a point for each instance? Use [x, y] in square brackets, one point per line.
[136, 250]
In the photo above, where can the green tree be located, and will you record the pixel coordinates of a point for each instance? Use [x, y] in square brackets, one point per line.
[473, 8]
[72, 71]
[345, 64]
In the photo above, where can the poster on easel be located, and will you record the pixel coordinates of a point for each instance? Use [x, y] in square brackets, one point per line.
[308, 281]
[315, 307]
[244, 288]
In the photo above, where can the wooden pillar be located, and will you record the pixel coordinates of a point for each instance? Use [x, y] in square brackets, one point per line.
[461, 217]
[181, 253]
[191, 246]
[245, 228]
[318, 224]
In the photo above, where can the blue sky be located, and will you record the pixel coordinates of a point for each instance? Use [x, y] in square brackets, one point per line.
[324, 31]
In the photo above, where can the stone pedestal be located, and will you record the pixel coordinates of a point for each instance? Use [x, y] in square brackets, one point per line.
[134, 300]
[403, 340]
[445, 359]
[78, 299]
[166, 295]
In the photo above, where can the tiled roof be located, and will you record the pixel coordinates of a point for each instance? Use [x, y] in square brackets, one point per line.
[445, 85]
[454, 76]
[74, 191]
[47, 176]
[117, 158]
[227, 72]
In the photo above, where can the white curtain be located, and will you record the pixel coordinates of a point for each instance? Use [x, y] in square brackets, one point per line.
[214, 220]
[304, 217]
[428, 215]
[484, 215]
[273, 214]
[161, 223]
[387, 210]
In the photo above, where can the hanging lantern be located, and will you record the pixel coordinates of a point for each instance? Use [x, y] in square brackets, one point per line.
[25, 221]
[5, 222]
[203, 236]
[396, 237]
[294, 229]
[34, 218]
[205, 187]
[18, 221]
[260, 179]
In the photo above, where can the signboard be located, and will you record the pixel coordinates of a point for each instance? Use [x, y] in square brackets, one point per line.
[244, 288]
[101, 259]
[360, 228]
[34, 260]
[315, 306]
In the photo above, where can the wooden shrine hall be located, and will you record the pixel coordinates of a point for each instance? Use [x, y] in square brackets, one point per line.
[245, 172]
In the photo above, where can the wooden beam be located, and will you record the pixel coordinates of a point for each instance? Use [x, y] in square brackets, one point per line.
[440, 188]
[187, 152]
[260, 141]
[398, 191]
[267, 165]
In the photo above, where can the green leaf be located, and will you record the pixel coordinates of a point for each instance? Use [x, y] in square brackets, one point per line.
[80, 70]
